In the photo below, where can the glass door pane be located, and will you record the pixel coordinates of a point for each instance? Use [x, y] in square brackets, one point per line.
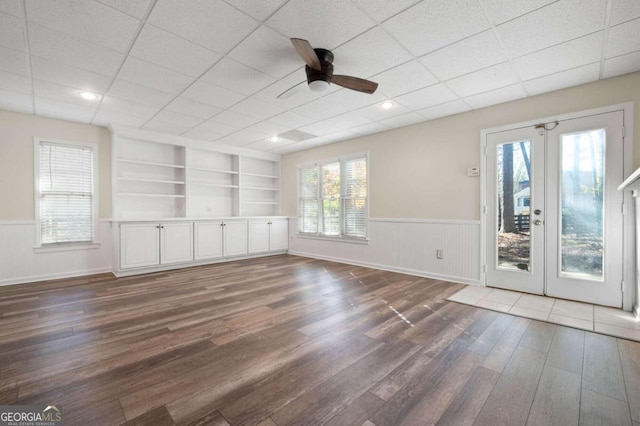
[582, 204]
[513, 204]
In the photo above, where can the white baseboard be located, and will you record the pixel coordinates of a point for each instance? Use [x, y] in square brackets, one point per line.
[459, 280]
[46, 277]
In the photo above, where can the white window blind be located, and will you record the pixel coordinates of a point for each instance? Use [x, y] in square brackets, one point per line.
[65, 193]
[333, 199]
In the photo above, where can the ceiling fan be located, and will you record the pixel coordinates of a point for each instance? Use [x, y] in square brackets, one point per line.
[320, 72]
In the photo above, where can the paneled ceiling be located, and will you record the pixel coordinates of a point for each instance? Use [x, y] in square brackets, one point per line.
[211, 69]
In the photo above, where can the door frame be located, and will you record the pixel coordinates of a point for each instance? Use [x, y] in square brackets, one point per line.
[629, 267]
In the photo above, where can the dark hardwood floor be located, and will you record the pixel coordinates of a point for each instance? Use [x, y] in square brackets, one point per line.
[286, 340]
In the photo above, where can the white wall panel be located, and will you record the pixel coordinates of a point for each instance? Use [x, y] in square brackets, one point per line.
[405, 245]
[19, 262]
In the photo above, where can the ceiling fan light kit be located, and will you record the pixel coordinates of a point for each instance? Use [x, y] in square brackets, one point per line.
[319, 71]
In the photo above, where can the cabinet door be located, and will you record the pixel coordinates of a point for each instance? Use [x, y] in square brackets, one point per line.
[208, 240]
[258, 236]
[235, 238]
[279, 235]
[139, 245]
[176, 242]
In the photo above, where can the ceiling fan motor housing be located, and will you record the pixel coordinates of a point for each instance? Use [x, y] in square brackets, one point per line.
[326, 71]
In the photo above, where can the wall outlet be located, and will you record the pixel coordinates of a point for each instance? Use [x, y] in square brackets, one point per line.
[440, 254]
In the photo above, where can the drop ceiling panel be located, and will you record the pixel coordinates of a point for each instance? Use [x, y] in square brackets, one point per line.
[128, 108]
[212, 95]
[257, 108]
[368, 129]
[66, 75]
[66, 49]
[442, 110]
[12, 7]
[291, 120]
[212, 24]
[259, 10]
[403, 79]
[237, 77]
[320, 109]
[499, 11]
[471, 54]
[571, 54]
[136, 93]
[135, 8]
[86, 20]
[556, 23]
[624, 38]
[376, 113]
[312, 21]
[347, 121]
[15, 82]
[320, 128]
[433, 24]
[346, 100]
[563, 79]
[234, 119]
[151, 75]
[381, 10]
[494, 77]
[269, 52]
[429, 96]
[193, 108]
[368, 54]
[64, 110]
[45, 89]
[210, 130]
[624, 10]
[404, 120]
[493, 97]
[104, 118]
[15, 101]
[622, 65]
[13, 61]
[172, 122]
[266, 129]
[165, 49]
[12, 32]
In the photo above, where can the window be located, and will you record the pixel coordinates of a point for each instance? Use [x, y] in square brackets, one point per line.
[65, 188]
[333, 198]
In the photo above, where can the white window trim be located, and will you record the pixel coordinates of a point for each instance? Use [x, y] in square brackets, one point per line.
[81, 245]
[340, 238]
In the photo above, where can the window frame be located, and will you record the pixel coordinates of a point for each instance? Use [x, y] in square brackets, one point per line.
[40, 247]
[341, 237]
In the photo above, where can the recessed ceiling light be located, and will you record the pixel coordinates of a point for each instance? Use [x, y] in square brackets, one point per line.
[274, 139]
[387, 104]
[89, 96]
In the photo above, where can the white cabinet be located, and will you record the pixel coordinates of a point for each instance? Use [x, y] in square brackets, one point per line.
[208, 240]
[176, 243]
[268, 235]
[216, 239]
[139, 245]
[235, 237]
[153, 244]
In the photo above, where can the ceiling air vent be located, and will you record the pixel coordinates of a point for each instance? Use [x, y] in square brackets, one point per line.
[296, 135]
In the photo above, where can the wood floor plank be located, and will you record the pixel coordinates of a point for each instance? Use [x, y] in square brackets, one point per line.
[293, 340]
[557, 400]
[513, 394]
[602, 370]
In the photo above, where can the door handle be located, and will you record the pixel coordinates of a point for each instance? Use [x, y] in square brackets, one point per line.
[537, 222]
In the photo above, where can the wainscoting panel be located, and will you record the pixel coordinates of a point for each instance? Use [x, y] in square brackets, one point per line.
[405, 245]
[19, 262]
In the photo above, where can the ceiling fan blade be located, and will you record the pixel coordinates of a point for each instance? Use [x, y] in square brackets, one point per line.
[292, 90]
[355, 83]
[307, 53]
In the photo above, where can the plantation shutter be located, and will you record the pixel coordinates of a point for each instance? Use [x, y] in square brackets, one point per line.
[66, 193]
[354, 198]
[308, 209]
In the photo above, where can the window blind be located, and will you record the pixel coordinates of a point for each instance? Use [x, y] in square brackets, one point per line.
[354, 198]
[66, 193]
[309, 194]
[333, 199]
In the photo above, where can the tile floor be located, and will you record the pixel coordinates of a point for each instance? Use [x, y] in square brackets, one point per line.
[611, 321]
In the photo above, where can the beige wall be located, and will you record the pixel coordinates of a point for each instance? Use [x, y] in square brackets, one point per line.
[16, 160]
[419, 171]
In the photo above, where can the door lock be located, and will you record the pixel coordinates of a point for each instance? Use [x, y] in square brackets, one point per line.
[537, 212]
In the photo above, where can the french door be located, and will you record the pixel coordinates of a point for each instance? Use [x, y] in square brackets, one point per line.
[554, 221]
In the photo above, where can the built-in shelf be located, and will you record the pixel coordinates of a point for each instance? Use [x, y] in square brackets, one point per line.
[203, 169]
[260, 175]
[173, 182]
[141, 194]
[258, 188]
[151, 163]
[217, 185]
